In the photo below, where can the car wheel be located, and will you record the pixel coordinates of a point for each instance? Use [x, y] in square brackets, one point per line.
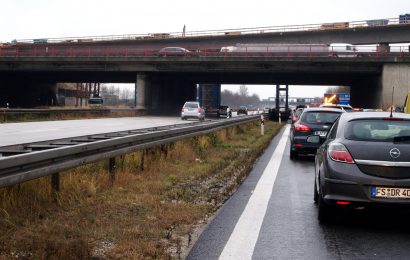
[218, 115]
[293, 155]
[324, 210]
[315, 194]
[182, 118]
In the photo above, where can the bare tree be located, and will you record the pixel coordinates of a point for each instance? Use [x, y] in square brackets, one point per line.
[243, 91]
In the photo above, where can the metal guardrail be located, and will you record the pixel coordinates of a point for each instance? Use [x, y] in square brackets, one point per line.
[222, 32]
[24, 162]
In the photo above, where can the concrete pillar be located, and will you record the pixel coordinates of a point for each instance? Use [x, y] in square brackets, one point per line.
[397, 76]
[141, 88]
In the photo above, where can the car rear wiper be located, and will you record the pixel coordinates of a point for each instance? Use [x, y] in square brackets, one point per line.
[401, 139]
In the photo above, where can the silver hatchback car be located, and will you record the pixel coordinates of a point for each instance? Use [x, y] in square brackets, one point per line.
[192, 109]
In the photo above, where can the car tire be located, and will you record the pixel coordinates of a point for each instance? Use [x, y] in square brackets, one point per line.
[182, 118]
[218, 115]
[324, 210]
[315, 194]
[293, 155]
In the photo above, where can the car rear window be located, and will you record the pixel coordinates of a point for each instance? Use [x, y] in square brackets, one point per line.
[319, 117]
[191, 105]
[377, 130]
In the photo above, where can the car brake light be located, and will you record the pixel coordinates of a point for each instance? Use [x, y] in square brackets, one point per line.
[294, 118]
[182, 109]
[301, 127]
[342, 202]
[339, 153]
[199, 110]
[393, 118]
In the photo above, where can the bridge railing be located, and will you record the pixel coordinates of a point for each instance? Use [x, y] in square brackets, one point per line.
[124, 52]
[223, 32]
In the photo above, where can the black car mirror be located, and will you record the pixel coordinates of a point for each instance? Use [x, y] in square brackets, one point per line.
[315, 139]
[290, 121]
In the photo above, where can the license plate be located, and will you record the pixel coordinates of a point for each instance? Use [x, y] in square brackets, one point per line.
[389, 192]
[320, 133]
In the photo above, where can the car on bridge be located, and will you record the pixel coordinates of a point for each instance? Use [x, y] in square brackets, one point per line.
[174, 51]
[312, 121]
[364, 161]
[192, 109]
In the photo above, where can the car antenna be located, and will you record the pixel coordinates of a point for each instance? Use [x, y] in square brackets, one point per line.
[391, 107]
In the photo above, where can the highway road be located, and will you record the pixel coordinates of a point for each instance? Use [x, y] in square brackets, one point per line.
[272, 216]
[17, 133]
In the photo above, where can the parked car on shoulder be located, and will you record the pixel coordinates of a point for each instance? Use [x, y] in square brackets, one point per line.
[174, 51]
[312, 121]
[224, 111]
[364, 162]
[243, 110]
[192, 109]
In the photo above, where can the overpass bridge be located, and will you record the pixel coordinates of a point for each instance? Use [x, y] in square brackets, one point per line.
[29, 71]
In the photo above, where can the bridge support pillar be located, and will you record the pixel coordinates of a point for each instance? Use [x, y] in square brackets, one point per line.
[141, 91]
[397, 76]
[366, 92]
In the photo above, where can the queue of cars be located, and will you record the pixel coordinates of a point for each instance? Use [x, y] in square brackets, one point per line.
[362, 159]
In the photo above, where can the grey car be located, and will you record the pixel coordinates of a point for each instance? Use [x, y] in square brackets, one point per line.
[192, 109]
[364, 162]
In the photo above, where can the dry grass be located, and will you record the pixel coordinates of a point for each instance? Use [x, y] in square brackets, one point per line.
[149, 212]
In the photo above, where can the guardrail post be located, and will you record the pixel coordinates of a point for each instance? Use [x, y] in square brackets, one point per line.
[111, 168]
[55, 182]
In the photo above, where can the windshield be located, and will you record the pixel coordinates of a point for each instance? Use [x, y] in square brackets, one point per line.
[377, 130]
[320, 117]
[191, 105]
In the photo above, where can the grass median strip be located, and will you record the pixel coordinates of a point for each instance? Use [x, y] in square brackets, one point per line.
[159, 197]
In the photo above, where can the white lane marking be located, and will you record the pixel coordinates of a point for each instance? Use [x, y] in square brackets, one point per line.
[243, 239]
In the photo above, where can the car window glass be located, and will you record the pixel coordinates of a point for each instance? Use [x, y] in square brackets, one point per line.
[320, 117]
[377, 130]
[191, 105]
[333, 131]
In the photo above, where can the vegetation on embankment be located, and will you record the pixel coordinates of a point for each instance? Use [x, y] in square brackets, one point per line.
[159, 198]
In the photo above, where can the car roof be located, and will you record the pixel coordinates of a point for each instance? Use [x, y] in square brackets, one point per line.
[322, 109]
[373, 115]
[335, 105]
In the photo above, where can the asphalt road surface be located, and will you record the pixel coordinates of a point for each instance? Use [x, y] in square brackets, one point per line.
[272, 216]
[17, 133]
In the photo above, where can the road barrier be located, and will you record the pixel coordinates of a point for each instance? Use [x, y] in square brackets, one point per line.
[24, 162]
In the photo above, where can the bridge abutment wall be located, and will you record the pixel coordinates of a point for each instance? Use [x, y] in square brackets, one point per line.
[397, 76]
[164, 94]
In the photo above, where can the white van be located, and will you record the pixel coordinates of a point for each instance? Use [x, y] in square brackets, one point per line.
[342, 50]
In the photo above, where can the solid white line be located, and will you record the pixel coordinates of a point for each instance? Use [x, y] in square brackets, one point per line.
[243, 239]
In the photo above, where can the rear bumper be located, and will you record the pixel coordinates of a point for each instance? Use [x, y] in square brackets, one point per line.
[345, 182]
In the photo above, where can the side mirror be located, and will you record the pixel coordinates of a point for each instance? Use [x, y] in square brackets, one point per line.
[290, 121]
[314, 139]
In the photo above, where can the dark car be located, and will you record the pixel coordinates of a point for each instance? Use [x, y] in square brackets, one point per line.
[174, 51]
[242, 110]
[365, 161]
[296, 114]
[312, 121]
[224, 111]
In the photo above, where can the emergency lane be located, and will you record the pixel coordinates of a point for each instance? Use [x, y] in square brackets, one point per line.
[290, 228]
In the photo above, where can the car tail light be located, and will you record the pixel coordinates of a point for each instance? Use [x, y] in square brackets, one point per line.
[339, 153]
[182, 109]
[393, 118]
[302, 128]
[199, 110]
[342, 202]
[294, 118]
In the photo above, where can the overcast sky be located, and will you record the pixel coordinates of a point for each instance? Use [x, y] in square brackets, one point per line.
[30, 19]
